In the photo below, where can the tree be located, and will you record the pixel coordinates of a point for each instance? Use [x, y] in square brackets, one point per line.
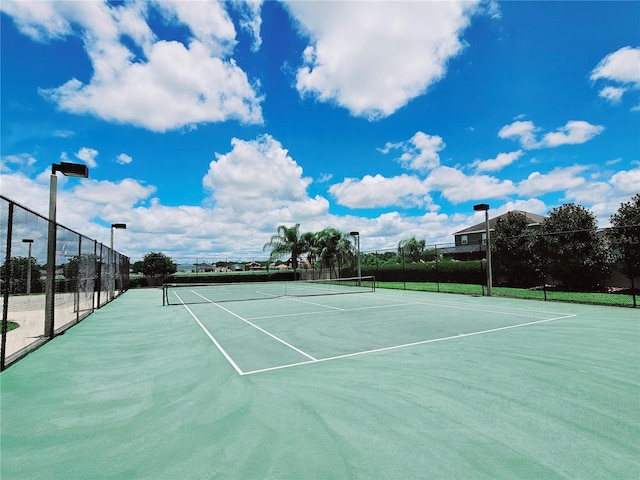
[334, 248]
[18, 269]
[574, 253]
[137, 266]
[512, 247]
[309, 245]
[625, 236]
[286, 242]
[81, 271]
[157, 266]
[412, 249]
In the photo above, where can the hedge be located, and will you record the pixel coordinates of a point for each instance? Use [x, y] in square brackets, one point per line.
[469, 272]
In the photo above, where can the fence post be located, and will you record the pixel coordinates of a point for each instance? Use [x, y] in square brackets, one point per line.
[404, 278]
[76, 290]
[99, 275]
[542, 259]
[437, 272]
[6, 287]
[482, 276]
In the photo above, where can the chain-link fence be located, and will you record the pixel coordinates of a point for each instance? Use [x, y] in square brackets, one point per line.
[605, 265]
[38, 301]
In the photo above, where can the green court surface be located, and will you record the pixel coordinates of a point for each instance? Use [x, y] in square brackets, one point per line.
[380, 385]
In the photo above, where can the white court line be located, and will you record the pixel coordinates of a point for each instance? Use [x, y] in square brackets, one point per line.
[503, 309]
[215, 342]
[258, 328]
[396, 347]
[474, 308]
[324, 312]
[293, 299]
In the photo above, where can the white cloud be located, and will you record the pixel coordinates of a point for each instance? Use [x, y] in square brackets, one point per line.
[612, 94]
[260, 176]
[88, 156]
[64, 133]
[532, 205]
[80, 201]
[501, 161]
[378, 191]
[572, 133]
[324, 177]
[458, 187]
[148, 82]
[178, 86]
[419, 153]
[374, 57]
[558, 179]
[524, 131]
[208, 22]
[251, 20]
[41, 21]
[622, 68]
[21, 161]
[626, 182]
[588, 193]
[110, 199]
[124, 159]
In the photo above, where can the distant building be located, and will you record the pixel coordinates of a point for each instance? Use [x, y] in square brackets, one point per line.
[476, 234]
[470, 242]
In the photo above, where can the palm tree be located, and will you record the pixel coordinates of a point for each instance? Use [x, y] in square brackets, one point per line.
[412, 249]
[310, 247]
[334, 246]
[286, 242]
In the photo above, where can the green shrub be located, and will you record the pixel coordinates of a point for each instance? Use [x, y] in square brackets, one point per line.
[470, 272]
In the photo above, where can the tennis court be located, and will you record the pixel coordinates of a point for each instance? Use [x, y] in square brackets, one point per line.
[381, 384]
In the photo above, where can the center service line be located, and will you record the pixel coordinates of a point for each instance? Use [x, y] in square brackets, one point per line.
[258, 328]
[212, 338]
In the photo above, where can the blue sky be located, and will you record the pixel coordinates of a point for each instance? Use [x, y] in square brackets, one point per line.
[205, 125]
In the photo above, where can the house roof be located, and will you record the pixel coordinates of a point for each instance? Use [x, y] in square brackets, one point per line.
[534, 219]
[461, 249]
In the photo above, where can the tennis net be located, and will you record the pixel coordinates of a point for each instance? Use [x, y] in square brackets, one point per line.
[188, 293]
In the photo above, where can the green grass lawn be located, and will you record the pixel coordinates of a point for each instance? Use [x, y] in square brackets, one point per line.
[594, 298]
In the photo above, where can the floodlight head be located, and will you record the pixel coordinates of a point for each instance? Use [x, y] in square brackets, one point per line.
[355, 234]
[71, 169]
[119, 225]
[481, 207]
[27, 240]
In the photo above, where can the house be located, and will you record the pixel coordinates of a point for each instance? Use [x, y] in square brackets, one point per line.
[476, 234]
[470, 242]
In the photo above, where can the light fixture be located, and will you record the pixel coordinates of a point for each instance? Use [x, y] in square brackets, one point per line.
[113, 258]
[70, 170]
[484, 207]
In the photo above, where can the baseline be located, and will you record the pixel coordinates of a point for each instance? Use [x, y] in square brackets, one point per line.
[407, 345]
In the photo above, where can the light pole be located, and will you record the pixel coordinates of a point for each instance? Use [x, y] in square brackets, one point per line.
[30, 242]
[70, 170]
[483, 207]
[357, 235]
[113, 257]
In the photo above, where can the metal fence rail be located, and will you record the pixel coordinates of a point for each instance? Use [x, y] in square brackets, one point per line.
[535, 269]
[87, 275]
